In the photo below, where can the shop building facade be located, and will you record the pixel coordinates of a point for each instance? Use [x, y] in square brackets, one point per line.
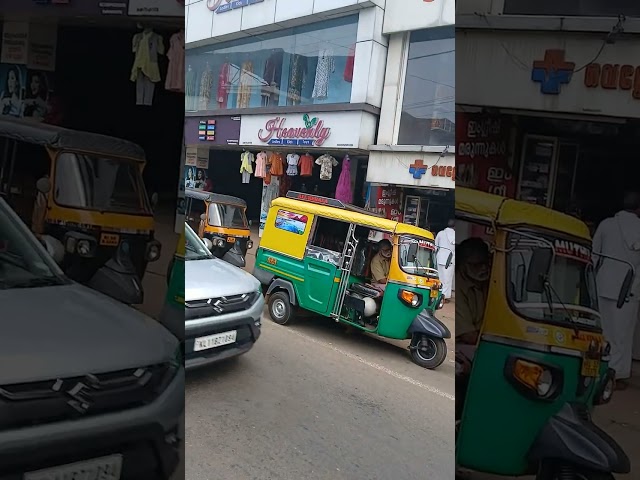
[553, 115]
[302, 80]
[412, 162]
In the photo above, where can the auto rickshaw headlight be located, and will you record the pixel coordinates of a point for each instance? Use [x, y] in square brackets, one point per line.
[249, 244]
[218, 242]
[411, 299]
[153, 251]
[84, 248]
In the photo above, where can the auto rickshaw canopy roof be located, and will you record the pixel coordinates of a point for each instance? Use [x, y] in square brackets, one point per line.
[45, 135]
[211, 197]
[508, 212]
[352, 214]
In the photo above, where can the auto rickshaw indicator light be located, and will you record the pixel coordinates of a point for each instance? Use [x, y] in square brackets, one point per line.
[410, 298]
[528, 373]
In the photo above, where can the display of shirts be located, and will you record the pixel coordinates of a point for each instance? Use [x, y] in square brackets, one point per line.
[326, 162]
[223, 86]
[246, 166]
[348, 68]
[261, 165]
[244, 90]
[190, 89]
[206, 84]
[277, 164]
[292, 164]
[175, 71]
[147, 45]
[326, 66]
[306, 165]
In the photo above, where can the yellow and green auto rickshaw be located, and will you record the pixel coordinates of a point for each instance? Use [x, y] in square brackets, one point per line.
[314, 255]
[221, 221]
[83, 194]
[172, 314]
[541, 362]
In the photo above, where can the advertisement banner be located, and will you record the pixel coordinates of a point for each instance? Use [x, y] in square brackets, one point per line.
[15, 43]
[212, 130]
[483, 159]
[42, 47]
[156, 8]
[385, 200]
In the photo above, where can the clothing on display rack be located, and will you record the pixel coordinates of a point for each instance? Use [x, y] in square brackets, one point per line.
[285, 185]
[272, 77]
[326, 162]
[348, 68]
[190, 89]
[292, 164]
[306, 165]
[224, 85]
[146, 46]
[175, 71]
[344, 193]
[297, 74]
[261, 165]
[244, 90]
[326, 66]
[206, 84]
[267, 176]
[271, 192]
[246, 166]
[277, 164]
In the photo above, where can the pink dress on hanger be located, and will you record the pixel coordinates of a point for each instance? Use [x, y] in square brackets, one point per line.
[176, 70]
[343, 189]
[261, 165]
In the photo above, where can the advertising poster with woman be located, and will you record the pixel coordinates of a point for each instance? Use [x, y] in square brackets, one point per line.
[36, 95]
[13, 80]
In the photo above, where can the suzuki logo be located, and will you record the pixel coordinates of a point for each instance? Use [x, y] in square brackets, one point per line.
[79, 393]
[215, 305]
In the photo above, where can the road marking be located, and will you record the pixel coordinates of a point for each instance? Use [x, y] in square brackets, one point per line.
[377, 366]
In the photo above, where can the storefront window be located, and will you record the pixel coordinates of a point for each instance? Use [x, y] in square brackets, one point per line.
[428, 106]
[307, 65]
[583, 8]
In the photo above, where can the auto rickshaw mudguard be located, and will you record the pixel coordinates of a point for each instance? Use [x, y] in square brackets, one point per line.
[568, 437]
[428, 324]
[280, 284]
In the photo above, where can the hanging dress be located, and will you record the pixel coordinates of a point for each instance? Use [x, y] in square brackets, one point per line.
[244, 90]
[190, 89]
[223, 86]
[206, 84]
[292, 164]
[175, 71]
[261, 165]
[343, 189]
[326, 66]
[297, 71]
[348, 68]
[246, 166]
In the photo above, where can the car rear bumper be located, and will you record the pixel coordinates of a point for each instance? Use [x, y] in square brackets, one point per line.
[148, 438]
[247, 323]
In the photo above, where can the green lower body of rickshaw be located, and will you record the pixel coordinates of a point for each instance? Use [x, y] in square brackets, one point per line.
[500, 423]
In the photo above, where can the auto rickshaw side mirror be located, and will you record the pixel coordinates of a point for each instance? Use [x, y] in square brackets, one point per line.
[539, 268]
[43, 185]
[412, 252]
[626, 288]
[208, 243]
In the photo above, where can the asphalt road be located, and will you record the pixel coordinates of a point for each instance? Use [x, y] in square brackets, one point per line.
[310, 402]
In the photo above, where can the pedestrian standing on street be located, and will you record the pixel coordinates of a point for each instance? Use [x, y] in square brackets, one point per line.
[619, 237]
[445, 245]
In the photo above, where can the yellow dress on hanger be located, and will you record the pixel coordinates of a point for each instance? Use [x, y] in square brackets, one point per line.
[244, 90]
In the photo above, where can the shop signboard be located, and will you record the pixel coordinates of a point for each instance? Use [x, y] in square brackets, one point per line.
[212, 130]
[422, 170]
[222, 6]
[15, 43]
[483, 161]
[308, 130]
[156, 8]
[559, 75]
[408, 15]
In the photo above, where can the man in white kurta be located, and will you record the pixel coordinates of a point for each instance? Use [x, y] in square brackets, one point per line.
[619, 237]
[445, 245]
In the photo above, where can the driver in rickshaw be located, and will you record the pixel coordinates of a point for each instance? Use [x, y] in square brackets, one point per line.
[380, 264]
[473, 267]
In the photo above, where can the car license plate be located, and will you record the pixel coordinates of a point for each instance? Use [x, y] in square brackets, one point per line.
[213, 341]
[104, 468]
[109, 239]
[231, 240]
[590, 367]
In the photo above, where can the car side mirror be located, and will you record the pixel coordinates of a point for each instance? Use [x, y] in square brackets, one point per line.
[54, 247]
[412, 253]
[208, 243]
[449, 260]
[154, 200]
[44, 185]
[539, 268]
[626, 288]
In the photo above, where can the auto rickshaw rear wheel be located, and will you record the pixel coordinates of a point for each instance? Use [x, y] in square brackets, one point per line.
[428, 352]
[280, 308]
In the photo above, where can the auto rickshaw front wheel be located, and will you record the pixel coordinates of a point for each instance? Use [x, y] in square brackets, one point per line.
[280, 308]
[428, 352]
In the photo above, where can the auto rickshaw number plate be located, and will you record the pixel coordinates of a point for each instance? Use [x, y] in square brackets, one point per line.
[109, 239]
[590, 367]
[231, 240]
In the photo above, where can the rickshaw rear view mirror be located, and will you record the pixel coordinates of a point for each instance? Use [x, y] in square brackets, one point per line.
[154, 200]
[626, 288]
[413, 252]
[43, 185]
[207, 243]
[539, 268]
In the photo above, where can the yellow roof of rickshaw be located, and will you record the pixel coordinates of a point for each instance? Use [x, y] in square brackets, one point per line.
[508, 212]
[344, 215]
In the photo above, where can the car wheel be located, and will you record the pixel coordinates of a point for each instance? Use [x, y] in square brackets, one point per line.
[428, 352]
[280, 308]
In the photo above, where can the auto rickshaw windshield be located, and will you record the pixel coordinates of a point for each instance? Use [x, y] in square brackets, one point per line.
[99, 183]
[571, 296]
[424, 263]
[227, 216]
